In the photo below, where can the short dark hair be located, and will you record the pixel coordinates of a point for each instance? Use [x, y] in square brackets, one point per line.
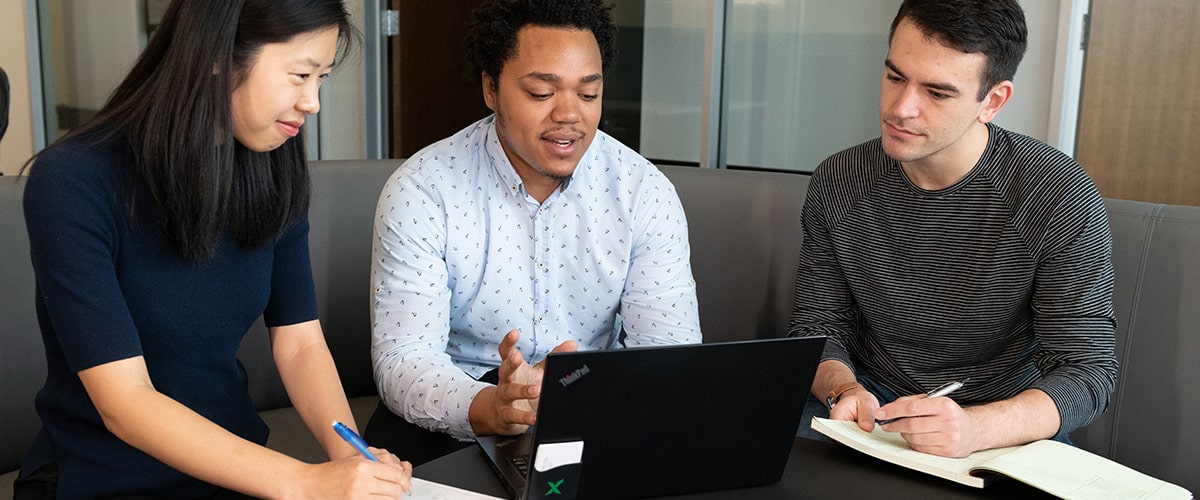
[995, 28]
[492, 30]
[174, 112]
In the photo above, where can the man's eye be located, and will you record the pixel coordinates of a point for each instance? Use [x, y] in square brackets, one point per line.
[938, 95]
[588, 97]
[540, 97]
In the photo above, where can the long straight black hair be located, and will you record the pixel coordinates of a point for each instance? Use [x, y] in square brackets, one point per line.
[175, 110]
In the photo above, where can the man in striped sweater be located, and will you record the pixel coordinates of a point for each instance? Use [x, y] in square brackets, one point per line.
[950, 249]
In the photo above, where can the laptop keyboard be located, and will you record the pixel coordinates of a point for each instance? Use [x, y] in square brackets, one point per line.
[522, 464]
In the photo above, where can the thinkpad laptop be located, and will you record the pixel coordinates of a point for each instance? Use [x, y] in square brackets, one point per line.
[653, 421]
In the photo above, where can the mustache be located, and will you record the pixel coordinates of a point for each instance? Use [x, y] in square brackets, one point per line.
[571, 130]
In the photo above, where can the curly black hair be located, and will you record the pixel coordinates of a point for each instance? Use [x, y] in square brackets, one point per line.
[492, 30]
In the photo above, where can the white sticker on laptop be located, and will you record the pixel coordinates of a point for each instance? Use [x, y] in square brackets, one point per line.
[551, 455]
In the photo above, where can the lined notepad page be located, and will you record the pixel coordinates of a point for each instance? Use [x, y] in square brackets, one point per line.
[1056, 468]
[1069, 472]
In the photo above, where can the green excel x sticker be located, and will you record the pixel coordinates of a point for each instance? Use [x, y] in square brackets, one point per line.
[554, 487]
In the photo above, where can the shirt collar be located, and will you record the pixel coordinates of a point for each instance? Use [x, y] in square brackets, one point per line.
[504, 168]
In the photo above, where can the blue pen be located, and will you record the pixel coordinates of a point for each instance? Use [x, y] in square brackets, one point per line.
[354, 439]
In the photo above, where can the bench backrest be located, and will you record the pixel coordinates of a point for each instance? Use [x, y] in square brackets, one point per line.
[745, 236]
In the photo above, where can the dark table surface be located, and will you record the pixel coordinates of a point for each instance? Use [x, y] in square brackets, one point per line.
[814, 470]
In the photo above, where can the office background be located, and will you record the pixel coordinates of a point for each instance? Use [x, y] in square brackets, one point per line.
[801, 75]
[763, 84]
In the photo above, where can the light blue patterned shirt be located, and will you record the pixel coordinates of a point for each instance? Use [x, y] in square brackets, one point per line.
[463, 254]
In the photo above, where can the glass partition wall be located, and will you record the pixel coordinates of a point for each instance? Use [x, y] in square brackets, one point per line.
[85, 48]
[795, 80]
[759, 84]
[767, 84]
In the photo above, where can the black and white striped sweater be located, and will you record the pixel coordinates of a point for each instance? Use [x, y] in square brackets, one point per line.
[1005, 277]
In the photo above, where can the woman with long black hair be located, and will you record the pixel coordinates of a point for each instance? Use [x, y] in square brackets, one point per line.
[159, 232]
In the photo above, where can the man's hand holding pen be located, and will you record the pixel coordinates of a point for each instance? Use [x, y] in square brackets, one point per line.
[931, 423]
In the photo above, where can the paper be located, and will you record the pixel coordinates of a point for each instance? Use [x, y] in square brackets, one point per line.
[552, 455]
[893, 448]
[1056, 468]
[429, 490]
[1069, 472]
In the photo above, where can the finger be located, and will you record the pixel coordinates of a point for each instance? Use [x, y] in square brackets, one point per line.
[932, 443]
[939, 405]
[900, 408]
[517, 358]
[406, 481]
[919, 406]
[384, 456]
[510, 364]
[515, 415]
[394, 483]
[511, 391]
[866, 417]
[568, 346]
[842, 411]
[932, 426]
[508, 343]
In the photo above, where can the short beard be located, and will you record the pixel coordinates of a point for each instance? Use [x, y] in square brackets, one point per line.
[559, 178]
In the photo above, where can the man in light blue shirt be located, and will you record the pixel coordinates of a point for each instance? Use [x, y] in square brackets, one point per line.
[527, 232]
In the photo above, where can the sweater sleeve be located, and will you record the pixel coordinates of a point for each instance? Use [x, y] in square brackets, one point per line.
[823, 304]
[293, 299]
[1073, 312]
[73, 217]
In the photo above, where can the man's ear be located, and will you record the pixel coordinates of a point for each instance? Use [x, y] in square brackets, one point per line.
[489, 91]
[995, 100]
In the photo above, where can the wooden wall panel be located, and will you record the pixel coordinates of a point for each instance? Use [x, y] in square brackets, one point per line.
[1139, 131]
[432, 94]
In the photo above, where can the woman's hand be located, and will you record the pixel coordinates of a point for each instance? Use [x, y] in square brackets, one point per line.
[353, 477]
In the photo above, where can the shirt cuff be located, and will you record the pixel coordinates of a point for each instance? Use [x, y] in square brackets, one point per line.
[457, 408]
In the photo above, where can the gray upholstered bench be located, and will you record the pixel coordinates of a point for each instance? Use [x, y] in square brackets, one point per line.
[745, 235]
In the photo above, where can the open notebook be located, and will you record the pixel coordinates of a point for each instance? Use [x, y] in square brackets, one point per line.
[1056, 468]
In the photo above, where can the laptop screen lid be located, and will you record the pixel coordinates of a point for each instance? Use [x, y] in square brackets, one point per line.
[668, 420]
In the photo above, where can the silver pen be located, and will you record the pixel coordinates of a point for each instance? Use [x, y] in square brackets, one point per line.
[944, 390]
